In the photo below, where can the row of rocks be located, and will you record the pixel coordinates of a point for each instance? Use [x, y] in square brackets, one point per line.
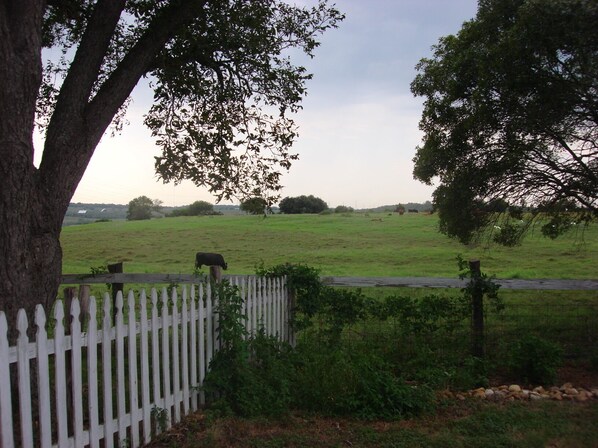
[516, 392]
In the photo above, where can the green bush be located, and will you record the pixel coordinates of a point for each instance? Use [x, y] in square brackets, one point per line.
[344, 381]
[343, 209]
[535, 360]
[262, 376]
[427, 314]
[250, 375]
[304, 282]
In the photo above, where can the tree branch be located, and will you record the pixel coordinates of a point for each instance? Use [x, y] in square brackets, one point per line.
[78, 124]
[136, 63]
[83, 72]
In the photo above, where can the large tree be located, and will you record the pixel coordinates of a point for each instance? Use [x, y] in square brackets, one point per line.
[223, 84]
[511, 114]
[302, 204]
[142, 207]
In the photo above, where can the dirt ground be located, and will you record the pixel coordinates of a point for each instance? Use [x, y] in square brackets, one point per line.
[580, 376]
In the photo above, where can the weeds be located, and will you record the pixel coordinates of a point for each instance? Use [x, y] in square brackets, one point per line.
[535, 360]
[250, 374]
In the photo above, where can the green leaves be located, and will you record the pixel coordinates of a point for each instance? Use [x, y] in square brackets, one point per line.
[509, 113]
[224, 83]
[224, 90]
[251, 375]
[142, 207]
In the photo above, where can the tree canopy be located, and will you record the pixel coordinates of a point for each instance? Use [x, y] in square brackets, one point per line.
[225, 88]
[255, 206]
[510, 114]
[224, 84]
[142, 207]
[302, 204]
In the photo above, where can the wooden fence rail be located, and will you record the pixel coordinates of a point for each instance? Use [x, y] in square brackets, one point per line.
[405, 282]
[127, 379]
[438, 282]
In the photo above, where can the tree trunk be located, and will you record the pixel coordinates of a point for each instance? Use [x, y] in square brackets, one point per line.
[30, 253]
[33, 201]
[29, 249]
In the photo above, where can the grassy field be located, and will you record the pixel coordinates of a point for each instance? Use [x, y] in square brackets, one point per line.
[356, 244]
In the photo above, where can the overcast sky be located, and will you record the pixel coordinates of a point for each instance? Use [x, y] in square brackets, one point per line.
[358, 129]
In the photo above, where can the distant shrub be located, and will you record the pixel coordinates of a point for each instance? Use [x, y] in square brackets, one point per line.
[343, 209]
[509, 235]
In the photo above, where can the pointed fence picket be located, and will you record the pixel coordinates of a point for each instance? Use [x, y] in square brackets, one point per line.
[86, 380]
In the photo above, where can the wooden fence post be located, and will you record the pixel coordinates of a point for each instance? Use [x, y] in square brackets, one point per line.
[115, 268]
[216, 273]
[477, 310]
[84, 293]
[70, 293]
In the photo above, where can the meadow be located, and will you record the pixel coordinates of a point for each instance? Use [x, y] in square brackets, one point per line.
[356, 244]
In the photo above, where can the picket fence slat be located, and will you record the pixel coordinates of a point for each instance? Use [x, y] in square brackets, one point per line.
[77, 380]
[185, 352]
[156, 390]
[176, 379]
[60, 376]
[6, 433]
[145, 375]
[166, 359]
[123, 374]
[201, 328]
[254, 309]
[43, 384]
[24, 382]
[92, 375]
[120, 368]
[132, 361]
[209, 325]
[193, 348]
[107, 373]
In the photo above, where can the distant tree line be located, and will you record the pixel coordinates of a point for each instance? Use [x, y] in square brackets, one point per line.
[343, 209]
[198, 208]
[143, 207]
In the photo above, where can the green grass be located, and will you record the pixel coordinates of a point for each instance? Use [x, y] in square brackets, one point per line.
[470, 424]
[344, 245]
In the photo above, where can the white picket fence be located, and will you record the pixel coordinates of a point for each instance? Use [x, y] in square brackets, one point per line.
[129, 379]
